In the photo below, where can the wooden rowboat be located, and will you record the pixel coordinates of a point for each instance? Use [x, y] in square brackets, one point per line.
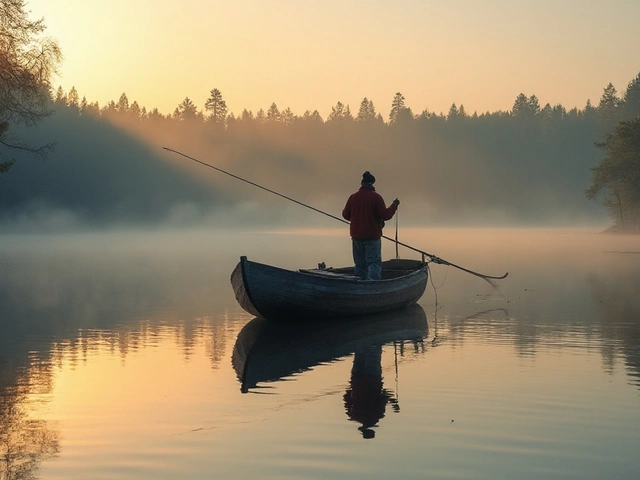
[276, 293]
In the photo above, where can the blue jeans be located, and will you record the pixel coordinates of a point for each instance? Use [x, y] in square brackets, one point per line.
[367, 255]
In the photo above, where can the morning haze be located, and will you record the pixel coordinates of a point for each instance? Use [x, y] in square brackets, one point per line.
[525, 167]
[131, 346]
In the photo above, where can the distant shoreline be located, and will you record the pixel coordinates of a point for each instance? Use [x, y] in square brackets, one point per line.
[617, 230]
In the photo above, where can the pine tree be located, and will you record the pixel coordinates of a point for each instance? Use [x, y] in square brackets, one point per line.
[631, 99]
[397, 106]
[73, 99]
[61, 97]
[123, 104]
[273, 114]
[453, 112]
[340, 113]
[134, 110]
[186, 110]
[521, 107]
[217, 106]
[287, 117]
[367, 111]
[609, 107]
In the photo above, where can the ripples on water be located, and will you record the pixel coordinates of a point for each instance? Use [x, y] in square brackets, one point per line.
[126, 356]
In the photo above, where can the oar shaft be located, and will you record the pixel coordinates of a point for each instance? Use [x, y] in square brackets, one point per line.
[433, 258]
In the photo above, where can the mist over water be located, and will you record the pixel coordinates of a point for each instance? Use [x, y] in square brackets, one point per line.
[116, 359]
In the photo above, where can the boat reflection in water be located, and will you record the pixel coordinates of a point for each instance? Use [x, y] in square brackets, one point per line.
[269, 351]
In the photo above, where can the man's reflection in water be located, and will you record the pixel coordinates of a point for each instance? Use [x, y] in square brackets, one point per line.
[366, 399]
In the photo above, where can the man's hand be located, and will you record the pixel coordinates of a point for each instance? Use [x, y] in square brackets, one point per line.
[396, 202]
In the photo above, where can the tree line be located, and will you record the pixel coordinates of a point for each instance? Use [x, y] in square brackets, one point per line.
[611, 109]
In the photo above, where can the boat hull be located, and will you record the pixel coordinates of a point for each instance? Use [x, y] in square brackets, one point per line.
[276, 293]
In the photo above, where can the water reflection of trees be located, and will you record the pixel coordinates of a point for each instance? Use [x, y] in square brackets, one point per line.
[64, 313]
[616, 299]
[76, 301]
[26, 376]
[601, 309]
[24, 442]
[76, 286]
[187, 334]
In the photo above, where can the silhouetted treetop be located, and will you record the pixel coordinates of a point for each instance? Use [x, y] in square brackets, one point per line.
[216, 106]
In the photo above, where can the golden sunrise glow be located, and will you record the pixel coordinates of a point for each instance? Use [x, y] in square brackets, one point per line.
[309, 55]
[138, 387]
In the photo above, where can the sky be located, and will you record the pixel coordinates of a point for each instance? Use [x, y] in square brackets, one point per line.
[311, 54]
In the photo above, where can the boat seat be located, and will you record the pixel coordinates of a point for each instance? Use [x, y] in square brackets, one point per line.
[328, 273]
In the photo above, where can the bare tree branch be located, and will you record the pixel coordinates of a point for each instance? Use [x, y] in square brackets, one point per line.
[27, 63]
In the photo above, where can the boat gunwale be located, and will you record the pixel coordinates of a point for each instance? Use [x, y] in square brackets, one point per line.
[338, 278]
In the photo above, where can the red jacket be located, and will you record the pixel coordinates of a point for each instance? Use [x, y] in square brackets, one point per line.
[366, 211]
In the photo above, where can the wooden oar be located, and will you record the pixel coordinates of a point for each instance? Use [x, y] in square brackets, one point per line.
[431, 257]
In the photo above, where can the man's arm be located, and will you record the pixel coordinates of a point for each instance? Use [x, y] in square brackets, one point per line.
[383, 212]
[346, 212]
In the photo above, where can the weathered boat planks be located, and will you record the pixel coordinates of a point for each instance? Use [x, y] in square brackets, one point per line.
[277, 293]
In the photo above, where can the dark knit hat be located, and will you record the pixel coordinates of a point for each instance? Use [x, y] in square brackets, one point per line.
[368, 178]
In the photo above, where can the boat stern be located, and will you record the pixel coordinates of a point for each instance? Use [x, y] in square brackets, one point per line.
[240, 288]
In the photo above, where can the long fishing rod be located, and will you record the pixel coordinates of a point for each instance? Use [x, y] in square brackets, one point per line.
[432, 257]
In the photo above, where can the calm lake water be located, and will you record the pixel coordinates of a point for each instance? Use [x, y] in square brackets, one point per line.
[125, 355]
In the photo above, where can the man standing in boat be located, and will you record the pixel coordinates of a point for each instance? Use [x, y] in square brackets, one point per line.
[367, 213]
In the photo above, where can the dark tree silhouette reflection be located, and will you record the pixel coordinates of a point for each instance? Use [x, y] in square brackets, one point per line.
[24, 442]
[616, 299]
